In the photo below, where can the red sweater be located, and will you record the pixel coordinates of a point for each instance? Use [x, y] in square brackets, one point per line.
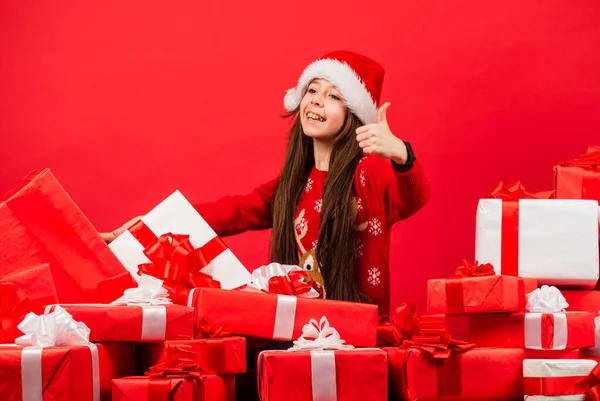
[381, 195]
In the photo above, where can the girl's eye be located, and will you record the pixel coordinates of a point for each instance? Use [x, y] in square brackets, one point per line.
[335, 97]
[311, 90]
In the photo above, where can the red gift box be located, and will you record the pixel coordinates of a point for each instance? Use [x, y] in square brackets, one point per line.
[69, 373]
[134, 322]
[281, 317]
[206, 387]
[480, 374]
[349, 375]
[584, 300]
[40, 223]
[22, 292]
[484, 294]
[224, 355]
[579, 178]
[533, 330]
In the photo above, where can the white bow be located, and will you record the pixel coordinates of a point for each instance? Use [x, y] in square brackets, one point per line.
[319, 336]
[260, 277]
[547, 299]
[56, 328]
[148, 292]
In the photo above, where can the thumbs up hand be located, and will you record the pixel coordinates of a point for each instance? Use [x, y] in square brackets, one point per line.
[377, 139]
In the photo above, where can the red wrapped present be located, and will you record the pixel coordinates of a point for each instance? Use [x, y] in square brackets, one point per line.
[348, 375]
[219, 355]
[205, 387]
[478, 290]
[134, 322]
[281, 317]
[479, 374]
[579, 178]
[556, 378]
[63, 372]
[584, 300]
[533, 330]
[40, 223]
[22, 292]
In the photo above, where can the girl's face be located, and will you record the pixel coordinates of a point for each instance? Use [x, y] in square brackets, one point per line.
[322, 110]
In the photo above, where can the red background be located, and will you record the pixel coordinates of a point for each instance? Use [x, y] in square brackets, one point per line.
[128, 101]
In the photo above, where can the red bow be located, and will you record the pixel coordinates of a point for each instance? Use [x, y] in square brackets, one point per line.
[178, 361]
[434, 339]
[294, 283]
[591, 384]
[590, 160]
[204, 330]
[466, 269]
[406, 325]
[514, 192]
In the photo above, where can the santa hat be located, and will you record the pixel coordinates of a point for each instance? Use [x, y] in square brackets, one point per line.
[357, 77]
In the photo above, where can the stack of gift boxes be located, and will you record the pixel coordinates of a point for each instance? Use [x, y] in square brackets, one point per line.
[167, 312]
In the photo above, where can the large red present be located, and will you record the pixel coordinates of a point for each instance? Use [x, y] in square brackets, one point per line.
[25, 291]
[205, 387]
[139, 323]
[281, 317]
[479, 374]
[219, 355]
[349, 375]
[66, 373]
[478, 294]
[579, 178]
[40, 223]
[553, 331]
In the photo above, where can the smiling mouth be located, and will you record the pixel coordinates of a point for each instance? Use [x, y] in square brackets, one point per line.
[314, 117]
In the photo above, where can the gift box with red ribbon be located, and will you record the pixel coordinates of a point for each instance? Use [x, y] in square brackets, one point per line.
[552, 331]
[217, 355]
[552, 240]
[25, 291]
[477, 289]
[82, 372]
[579, 178]
[281, 317]
[40, 223]
[139, 323]
[556, 379]
[175, 244]
[349, 375]
[174, 388]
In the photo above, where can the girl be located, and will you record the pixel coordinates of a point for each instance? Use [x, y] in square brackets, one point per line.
[345, 181]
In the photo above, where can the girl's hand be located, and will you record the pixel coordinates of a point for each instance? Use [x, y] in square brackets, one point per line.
[109, 237]
[377, 139]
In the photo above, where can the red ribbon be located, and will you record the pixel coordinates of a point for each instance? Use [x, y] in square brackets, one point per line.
[591, 384]
[204, 330]
[454, 286]
[174, 259]
[294, 283]
[589, 160]
[391, 333]
[466, 269]
[551, 386]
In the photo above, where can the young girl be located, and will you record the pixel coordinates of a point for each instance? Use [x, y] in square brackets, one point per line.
[345, 181]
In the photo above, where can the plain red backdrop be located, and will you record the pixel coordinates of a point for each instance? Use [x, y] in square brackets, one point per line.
[128, 101]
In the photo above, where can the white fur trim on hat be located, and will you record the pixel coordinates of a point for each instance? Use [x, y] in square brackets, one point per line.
[340, 74]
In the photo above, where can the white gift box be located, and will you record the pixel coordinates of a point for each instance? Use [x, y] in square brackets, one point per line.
[557, 368]
[176, 215]
[557, 240]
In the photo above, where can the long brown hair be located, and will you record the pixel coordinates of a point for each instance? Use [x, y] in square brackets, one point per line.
[336, 241]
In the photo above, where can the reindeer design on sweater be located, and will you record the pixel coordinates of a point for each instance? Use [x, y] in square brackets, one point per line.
[308, 259]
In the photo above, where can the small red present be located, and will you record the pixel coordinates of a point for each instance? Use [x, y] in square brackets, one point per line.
[584, 300]
[579, 178]
[281, 317]
[556, 378]
[40, 223]
[205, 387]
[139, 323]
[478, 290]
[219, 355]
[349, 375]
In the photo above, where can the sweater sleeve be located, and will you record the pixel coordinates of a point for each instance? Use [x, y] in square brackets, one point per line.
[236, 214]
[400, 194]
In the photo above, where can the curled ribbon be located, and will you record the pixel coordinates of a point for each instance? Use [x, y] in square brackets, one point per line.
[547, 299]
[589, 160]
[391, 333]
[204, 330]
[178, 361]
[275, 278]
[55, 328]
[434, 339]
[318, 337]
[148, 292]
[513, 192]
[466, 269]
[591, 384]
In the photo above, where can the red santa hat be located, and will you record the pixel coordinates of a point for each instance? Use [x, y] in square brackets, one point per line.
[357, 77]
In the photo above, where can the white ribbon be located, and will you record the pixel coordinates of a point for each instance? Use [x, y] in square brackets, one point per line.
[285, 316]
[319, 336]
[260, 277]
[51, 329]
[323, 374]
[547, 299]
[148, 292]
[190, 301]
[533, 331]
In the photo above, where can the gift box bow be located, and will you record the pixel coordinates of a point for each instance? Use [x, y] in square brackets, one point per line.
[319, 336]
[466, 269]
[275, 278]
[174, 259]
[547, 299]
[204, 330]
[391, 333]
[434, 339]
[50, 329]
[589, 160]
[178, 362]
[515, 192]
[591, 384]
[148, 292]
